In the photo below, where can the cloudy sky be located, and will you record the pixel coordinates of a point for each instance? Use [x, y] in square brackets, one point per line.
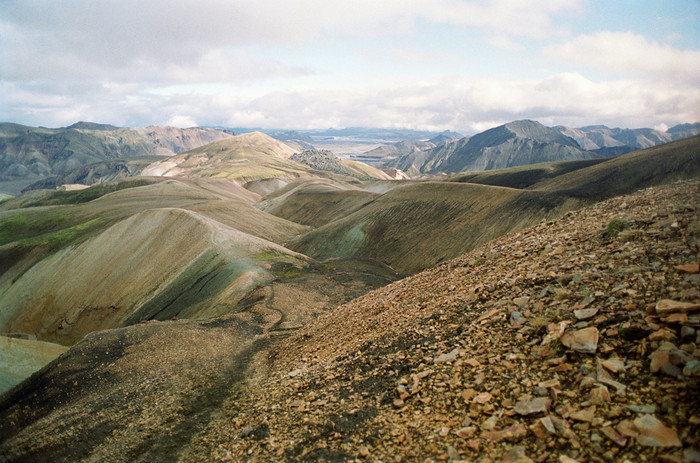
[464, 65]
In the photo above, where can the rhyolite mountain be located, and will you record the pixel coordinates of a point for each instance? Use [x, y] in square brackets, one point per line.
[28, 154]
[519, 143]
[607, 142]
[513, 144]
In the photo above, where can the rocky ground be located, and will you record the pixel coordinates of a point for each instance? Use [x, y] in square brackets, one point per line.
[575, 340]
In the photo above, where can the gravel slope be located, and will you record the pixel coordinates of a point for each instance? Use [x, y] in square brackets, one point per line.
[597, 364]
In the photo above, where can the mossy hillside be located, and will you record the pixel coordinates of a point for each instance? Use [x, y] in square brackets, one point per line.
[317, 207]
[413, 227]
[629, 172]
[524, 176]
[54, 228]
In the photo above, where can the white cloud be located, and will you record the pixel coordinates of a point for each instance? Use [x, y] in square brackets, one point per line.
[181, 121]
[241, 63]
[629, 54]
[130, 39]
[468, 106]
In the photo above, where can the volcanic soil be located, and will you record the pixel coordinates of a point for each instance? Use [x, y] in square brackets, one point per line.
[574, 340]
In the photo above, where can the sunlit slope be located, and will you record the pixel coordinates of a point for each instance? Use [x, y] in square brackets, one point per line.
[413, 227]
[241, 158]
[256, 156]
[156, 264]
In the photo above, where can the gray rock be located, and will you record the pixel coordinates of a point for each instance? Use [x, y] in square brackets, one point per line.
[516, 319]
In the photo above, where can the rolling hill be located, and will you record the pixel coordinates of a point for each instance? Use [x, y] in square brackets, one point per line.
[76, 262]
[432, 367]
[253, 156]
[206, 311]
[421, 224]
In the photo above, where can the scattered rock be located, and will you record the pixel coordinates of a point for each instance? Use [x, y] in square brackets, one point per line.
[448, 357]
[667, 306]
[585, 340]
[482, 398]
[646, 409]
[600, 395]
[691, 455]
[585, 415]
[692, 369]
[614, 365]
[516, 319]
[466, 432]
[614, 436]
[525, 406]
[688, 268]
[515, 455]
[653, 433]
[585, 314]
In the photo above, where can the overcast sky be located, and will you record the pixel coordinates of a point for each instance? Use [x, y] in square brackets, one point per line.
[464, 65]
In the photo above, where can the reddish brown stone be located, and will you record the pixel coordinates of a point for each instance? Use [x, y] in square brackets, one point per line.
[653, 433]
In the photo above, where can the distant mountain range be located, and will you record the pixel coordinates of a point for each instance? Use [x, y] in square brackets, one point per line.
[89, 153]
[29, 154]
[520, 143]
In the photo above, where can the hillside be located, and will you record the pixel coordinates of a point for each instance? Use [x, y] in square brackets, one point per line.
[28, 154]
[113, 255]
[413, 226]
[621, 174]
[248, 157]
[557, 343]
[416, 226]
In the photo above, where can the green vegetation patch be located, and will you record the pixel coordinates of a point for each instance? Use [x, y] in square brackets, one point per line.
[60, 197]
[51, 228]
[615, 226]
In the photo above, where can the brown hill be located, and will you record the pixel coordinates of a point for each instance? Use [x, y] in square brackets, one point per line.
[245, 158]
[415, 226]
[75, 262]
[435, 367]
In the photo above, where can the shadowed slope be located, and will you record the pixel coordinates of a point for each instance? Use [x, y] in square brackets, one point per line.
[416, 226]
[622, 174]
[315, 202]
[523, 176]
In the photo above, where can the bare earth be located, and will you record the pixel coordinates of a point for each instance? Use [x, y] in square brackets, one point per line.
[559, 343]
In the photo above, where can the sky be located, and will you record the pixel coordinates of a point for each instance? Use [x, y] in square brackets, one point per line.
[463, 65]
